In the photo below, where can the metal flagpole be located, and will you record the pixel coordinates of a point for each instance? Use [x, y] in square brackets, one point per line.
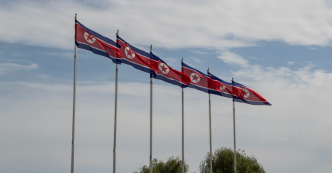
[182, 129]
[210, 130]
[115, 114]
[234, 133]
[151, 119]
[74, 104]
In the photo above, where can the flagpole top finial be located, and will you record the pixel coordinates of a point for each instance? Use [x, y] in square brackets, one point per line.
[117, 32]
[75, 15]
[182, 59]
[232, 79]
[151, 48]
[208, 69]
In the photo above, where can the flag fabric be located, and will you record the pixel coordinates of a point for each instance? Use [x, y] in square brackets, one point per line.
[88, 39]
[244, 94]
[167, 74]
[150, 63]
[135, 57]
[225, 87]
[200, 81]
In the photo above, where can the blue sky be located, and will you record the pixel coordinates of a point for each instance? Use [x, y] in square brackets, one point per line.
[273, 54]
[281, 49]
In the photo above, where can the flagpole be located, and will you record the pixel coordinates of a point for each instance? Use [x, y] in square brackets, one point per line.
[210, 130]
[115, 114]
[182, 128]
[74, 104]
[151, 119]
[234, 133]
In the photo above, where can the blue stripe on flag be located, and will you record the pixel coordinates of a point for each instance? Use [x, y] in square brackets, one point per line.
[139, 67]
[218, 79]
[165, 79]
[251, 102]
[97, 51]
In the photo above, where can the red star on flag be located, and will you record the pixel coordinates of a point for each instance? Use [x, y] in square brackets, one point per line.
[195, 77]
[130, 52]
[90, 37]
[163, 68]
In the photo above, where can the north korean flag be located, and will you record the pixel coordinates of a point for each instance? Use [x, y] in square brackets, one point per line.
[135, 57]
[245, 95]
[90, 40]
[165, 73]
[225, 87]
[200, 81]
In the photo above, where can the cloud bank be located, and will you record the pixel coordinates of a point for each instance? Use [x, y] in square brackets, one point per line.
[172, 24]
[6, 68]
[283, 137]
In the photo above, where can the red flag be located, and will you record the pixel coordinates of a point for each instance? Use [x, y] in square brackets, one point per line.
[165, 73]
[200, 81]
[247, 95]
[87, 39]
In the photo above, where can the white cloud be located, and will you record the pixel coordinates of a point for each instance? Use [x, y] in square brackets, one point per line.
[290, 62]
[170, 60]
[6, 68]
[64, 54]
[201, 52]
[232, 58]
[195, 59]
[254, 58]
[43, 76]
[173, 24]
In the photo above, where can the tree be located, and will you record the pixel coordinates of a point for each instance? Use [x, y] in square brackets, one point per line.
[173, 165]
[223, 162]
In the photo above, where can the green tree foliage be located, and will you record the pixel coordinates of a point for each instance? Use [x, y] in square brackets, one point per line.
[173, 165]
[223, 162]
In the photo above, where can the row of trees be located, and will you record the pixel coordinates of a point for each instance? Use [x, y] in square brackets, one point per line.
[222, 162]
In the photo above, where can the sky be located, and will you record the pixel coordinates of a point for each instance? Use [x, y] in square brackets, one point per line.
[281, 49]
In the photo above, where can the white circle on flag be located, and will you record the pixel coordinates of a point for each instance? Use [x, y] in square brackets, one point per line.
[163, 68]
[222, 87]
[246, 93]
[195, 77]
[129, 53]
[89, 38]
